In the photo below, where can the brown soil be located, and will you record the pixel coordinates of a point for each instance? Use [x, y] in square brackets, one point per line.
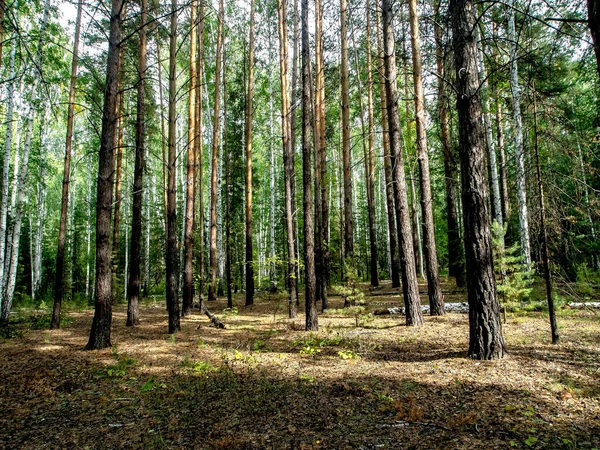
[263, 384]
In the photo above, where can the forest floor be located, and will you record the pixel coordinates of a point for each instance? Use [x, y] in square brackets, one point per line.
[263, 383]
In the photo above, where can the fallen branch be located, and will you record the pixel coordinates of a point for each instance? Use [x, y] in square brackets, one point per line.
[214, 319]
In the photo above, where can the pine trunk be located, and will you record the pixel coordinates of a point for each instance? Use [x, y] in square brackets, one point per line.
[134, 289]
[436, 300]
[412, 302]
[100, 331]
[485, 329]
[64, 206]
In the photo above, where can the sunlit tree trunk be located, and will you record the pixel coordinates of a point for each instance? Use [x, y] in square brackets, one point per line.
[200, 151]
[387, 159]
[505, 201]
[436, 300]
[134, 289]
[62, 229]
[248, 147]
[485, 329]
[410, 288]
[100, 332]
[212, 289]
[190, 209]
[172, 259]
[227, 158]
[519, 145]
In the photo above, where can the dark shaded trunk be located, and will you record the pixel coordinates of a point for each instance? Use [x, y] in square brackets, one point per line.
[387, 159]
[410, 288]
[133, 291]
[346, 149]
[436, 299]
[288, 158]
[172, 257]
[544, 234]
[64, 206]
[594, 24]
[100, 331]
[312, 323]
[485, 330]
[248, 146]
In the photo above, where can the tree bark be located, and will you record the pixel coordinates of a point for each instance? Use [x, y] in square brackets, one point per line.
[310, 294]
[387, 158]
[436, 299]
[100, 331]
[172, 259]
[485, 330]
[192, 164]
[227, 157]
[64, 207]
[248, 147]
[346, 150]
[200, 152]
[212, 289]
[594, 24]
[412, 302]
[288, 157]
[519, 145]
[133, 292]
[505, 200]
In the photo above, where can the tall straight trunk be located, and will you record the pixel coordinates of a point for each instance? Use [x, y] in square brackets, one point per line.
[88, 231]
[100, 331]
[310, 295]
[119, 172]
[6, 167]
[288, 156]
[64, 206]
[163, 134]
[172, 259]
[544, 247]
[2, 10]
[455, 247]
[387, 158]
[410, 288]
[212, 289]
[227, 157]
[248, 147]
[190, 209]
[485, 329]
[436, 300]
[200, 151]
[519, 145]
[371, 156]
[594, 24]
[321, 205]
[134, 287]
[489, 137]
[367, 161]
[346, 150]
[505, 201]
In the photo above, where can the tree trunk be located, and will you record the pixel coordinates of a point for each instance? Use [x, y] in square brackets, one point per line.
[2, 9]
[346, 150]
[387, 159]
[227, 191]
[163, 133]
[248, 147]
[200, 152]
[519, 145]
[371, 157]
[410, 288]
[544, 245]
[594, 24]
[455, 247]
[310, 294]
[172, 259]
[288, 156]
[133, 291]
[436, 299]
[62, 229]
[485, 335]
[293, 126]
[190, 209]
[212, 289]
[100, 331]
[505, 201]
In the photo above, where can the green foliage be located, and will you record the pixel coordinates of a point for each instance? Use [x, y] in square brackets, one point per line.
[513, 282]
[152, 384]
